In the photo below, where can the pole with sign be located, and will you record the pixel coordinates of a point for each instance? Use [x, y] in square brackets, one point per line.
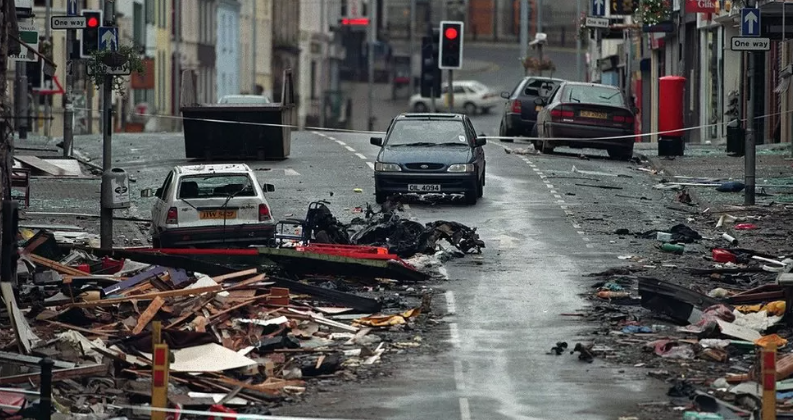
[108, 39]
[73, 21]
[751, 43]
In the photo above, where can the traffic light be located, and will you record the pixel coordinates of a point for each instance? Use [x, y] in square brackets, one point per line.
[430, 72]
[451, 45]
[90, 39]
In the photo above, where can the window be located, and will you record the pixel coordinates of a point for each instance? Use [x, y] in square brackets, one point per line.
[150, 11]
[430, 131]
[459, 90]
[216, 186]
[539, 88]
[313, 80]
[139, 30]
[166, 186]
[592, 95]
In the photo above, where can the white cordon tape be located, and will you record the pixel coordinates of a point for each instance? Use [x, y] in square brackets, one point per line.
[551, 139]
[214, 414]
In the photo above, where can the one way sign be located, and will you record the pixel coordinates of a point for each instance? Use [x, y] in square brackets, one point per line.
[108, 38]
[750, 21]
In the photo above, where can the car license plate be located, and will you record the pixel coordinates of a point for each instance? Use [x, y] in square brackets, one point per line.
[217, 214]
[424, 188]
[590, 114]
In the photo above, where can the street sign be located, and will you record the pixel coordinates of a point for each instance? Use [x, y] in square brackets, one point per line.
[108, 38]
[123, 70]
[597, 22]
[750, 21]
[742, 43]
[72, 9]
[67, 22]
[598, 8]
[354, 9]
[29, 35]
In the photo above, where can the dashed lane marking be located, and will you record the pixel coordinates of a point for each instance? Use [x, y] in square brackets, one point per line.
[349, 148]
[465, 409]
[451, 304]
[341, 143]
[291, 172]
[360, 155]
[371, 165]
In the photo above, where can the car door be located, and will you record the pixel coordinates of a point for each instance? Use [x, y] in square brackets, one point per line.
[478, 151]
[460, 97]
[160, 206]
[544, 115]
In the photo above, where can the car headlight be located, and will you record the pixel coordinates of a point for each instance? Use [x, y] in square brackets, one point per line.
[386, 167]
[461, 167]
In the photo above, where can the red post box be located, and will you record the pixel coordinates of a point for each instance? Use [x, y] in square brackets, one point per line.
[670, 106]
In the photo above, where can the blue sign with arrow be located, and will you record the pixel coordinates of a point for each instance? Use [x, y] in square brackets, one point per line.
[72, 9]
[108, 38]
[599, 7]
[750, 21]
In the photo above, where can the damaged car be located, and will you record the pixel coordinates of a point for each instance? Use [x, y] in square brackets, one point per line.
[203, 205]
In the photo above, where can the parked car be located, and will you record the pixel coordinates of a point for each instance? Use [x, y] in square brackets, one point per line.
[244, 100]
[584, 115]
[209, 205]
[430, 153]
[520, 111]
[470, 96]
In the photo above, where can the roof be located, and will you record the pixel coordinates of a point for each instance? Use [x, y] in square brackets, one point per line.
[222, 168]
[555, 79]
[438, 116]
[591, 84]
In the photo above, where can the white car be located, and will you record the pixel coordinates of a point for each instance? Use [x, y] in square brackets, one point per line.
[211, 205]
[470, 96]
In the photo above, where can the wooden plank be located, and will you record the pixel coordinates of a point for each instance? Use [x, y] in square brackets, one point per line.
[63, 269]
[135, 280]
[43, 165]
[148, 314]
[31, 360]
[57, 375]
[150, 296]
[252, 280]
[229, 276]
[80, 329]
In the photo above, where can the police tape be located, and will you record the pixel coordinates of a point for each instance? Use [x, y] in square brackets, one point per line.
[523, 138]
[181, 411]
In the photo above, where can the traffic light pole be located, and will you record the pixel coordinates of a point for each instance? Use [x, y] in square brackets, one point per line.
[106, 215]
[68, 105]
[450, 91]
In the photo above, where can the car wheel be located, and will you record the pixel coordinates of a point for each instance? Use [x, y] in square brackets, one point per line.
[420, 107]
[380, 197]
[486, 110]
[502, 132]
[620, 153]
[471, 196]
[470, 108]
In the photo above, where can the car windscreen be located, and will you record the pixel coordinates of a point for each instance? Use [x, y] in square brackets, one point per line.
[427, 133]
[216, 186]
[592, 95]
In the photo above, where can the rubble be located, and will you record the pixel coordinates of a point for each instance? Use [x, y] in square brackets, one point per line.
[698, 317]
[247, 329]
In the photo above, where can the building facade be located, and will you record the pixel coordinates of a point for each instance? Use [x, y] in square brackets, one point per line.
[256, 47]
[286, 43]
[227, 48]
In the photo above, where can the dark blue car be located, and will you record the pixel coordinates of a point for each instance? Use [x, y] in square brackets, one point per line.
[520, 111]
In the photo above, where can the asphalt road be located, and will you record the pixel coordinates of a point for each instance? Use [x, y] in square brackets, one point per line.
[504, 315]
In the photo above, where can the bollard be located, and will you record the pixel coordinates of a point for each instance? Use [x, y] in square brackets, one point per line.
[768, 366]
[45, 389]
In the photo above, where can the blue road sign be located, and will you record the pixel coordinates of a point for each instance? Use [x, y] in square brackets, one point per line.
[599, 7]
[72, 8]
[750, 21]
[108, 38]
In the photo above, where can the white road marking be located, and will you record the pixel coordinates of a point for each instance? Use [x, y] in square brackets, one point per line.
[576, 226]
[341, 143]
[564, 208]
[459, 379]
[360, 155]
[549, 186]
[371, 165]
[585, 239]
[291, 172]
[451, 304]
[465, 410]
[332, 138]
[454, 335]
[568, 212]
[560, 201]
[581, 232]
[590, 245]
[349, 148]
[539, 172]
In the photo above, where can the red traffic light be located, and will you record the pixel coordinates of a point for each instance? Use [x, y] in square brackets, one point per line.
[92, 22]
[450, 33]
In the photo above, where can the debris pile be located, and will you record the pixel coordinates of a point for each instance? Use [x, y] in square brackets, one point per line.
[246, 329]
[698, 306]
